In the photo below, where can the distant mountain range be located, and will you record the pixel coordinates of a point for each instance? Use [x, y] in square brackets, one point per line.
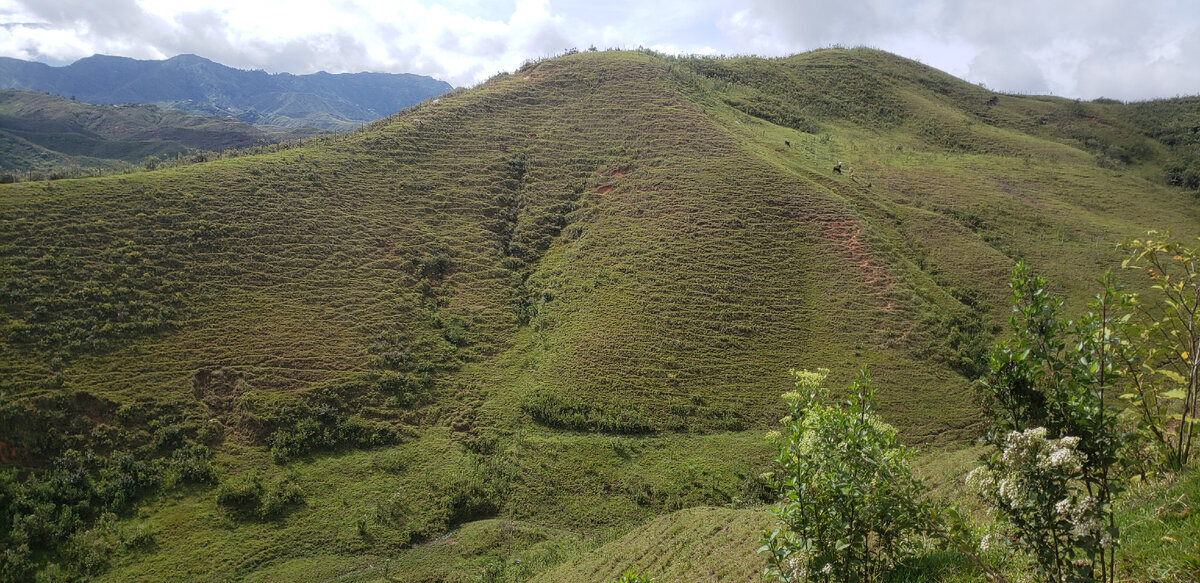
[45, 133]
[199, 86]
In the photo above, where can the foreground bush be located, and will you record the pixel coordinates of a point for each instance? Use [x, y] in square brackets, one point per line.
[1057, 467]
[851, 507]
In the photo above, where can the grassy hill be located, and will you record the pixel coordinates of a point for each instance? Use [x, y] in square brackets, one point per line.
[45, 133]
[526, 319]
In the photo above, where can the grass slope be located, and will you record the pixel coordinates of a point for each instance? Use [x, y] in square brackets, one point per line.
[532, 316]
[697, 544]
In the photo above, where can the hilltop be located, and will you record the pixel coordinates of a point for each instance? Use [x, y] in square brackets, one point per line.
[46, 133]
[198, 86]
[529, 318]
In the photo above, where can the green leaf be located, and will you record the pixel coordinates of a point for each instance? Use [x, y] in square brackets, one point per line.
[1171, 375]
[1173, 394]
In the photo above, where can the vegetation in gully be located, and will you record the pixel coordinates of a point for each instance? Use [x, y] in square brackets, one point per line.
[537, 329]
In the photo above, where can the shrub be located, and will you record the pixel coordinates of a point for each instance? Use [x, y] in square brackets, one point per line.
[241, 496]
[557, 411]
[1055, 473]
[246, 497]
[1036, 483]
[851, 507]
[326, 429]
[960, 338]
[633, 577]
[1162, 358]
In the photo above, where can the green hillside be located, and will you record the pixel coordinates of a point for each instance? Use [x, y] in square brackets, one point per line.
[47, 134]
[530, 317]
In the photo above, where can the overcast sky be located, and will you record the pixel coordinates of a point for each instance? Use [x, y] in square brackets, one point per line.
[1075, 48]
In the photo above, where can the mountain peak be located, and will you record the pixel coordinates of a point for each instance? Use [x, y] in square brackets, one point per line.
[190, 58]
[98, 58]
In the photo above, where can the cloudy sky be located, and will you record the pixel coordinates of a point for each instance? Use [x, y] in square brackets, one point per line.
[1075, 48]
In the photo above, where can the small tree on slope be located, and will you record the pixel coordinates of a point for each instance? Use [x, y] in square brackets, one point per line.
[851, 505]
[1057, 467]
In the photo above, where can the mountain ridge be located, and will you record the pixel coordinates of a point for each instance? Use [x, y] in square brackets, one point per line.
[202, 87]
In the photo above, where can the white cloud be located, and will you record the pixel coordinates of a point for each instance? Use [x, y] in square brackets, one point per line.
[1012, 71]
[290, 35]
[1083, 48]
[1080, 48]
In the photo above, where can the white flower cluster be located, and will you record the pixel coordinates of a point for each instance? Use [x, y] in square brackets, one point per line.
[797, 567]
[1030, 448]
[1063, 456]
[1084, 516]
[1029, 467]
[980, 479]
[992, 541]
[1021, 446]
[1013, 491]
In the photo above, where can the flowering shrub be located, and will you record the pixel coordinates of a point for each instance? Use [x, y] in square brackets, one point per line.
[1035, 482]
[1058, 465]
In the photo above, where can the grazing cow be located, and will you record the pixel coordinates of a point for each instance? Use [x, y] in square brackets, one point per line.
[837, 168]
[787, 143]
[993, 101]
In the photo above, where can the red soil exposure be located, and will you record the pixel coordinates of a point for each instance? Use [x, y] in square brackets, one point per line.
[846, 234]
[604, 189]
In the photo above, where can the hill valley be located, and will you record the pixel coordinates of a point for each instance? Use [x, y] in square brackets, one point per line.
[536, 330]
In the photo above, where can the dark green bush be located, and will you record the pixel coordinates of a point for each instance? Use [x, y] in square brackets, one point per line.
[57, 515]
[326, 429]
[241, 497]
[193, 465]
[560, 412]
[1183, 172]
[247, 497]
[775, 111]
[961, 339]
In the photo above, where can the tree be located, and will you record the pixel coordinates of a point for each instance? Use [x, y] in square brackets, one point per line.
[850, 504]
[1162, 359]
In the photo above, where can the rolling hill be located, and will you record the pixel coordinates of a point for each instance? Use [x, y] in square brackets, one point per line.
[480, 338]
[198, 86]
[46, 133]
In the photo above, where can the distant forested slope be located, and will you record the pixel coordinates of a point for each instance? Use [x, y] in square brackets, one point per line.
[201, 87]
[43, 135]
